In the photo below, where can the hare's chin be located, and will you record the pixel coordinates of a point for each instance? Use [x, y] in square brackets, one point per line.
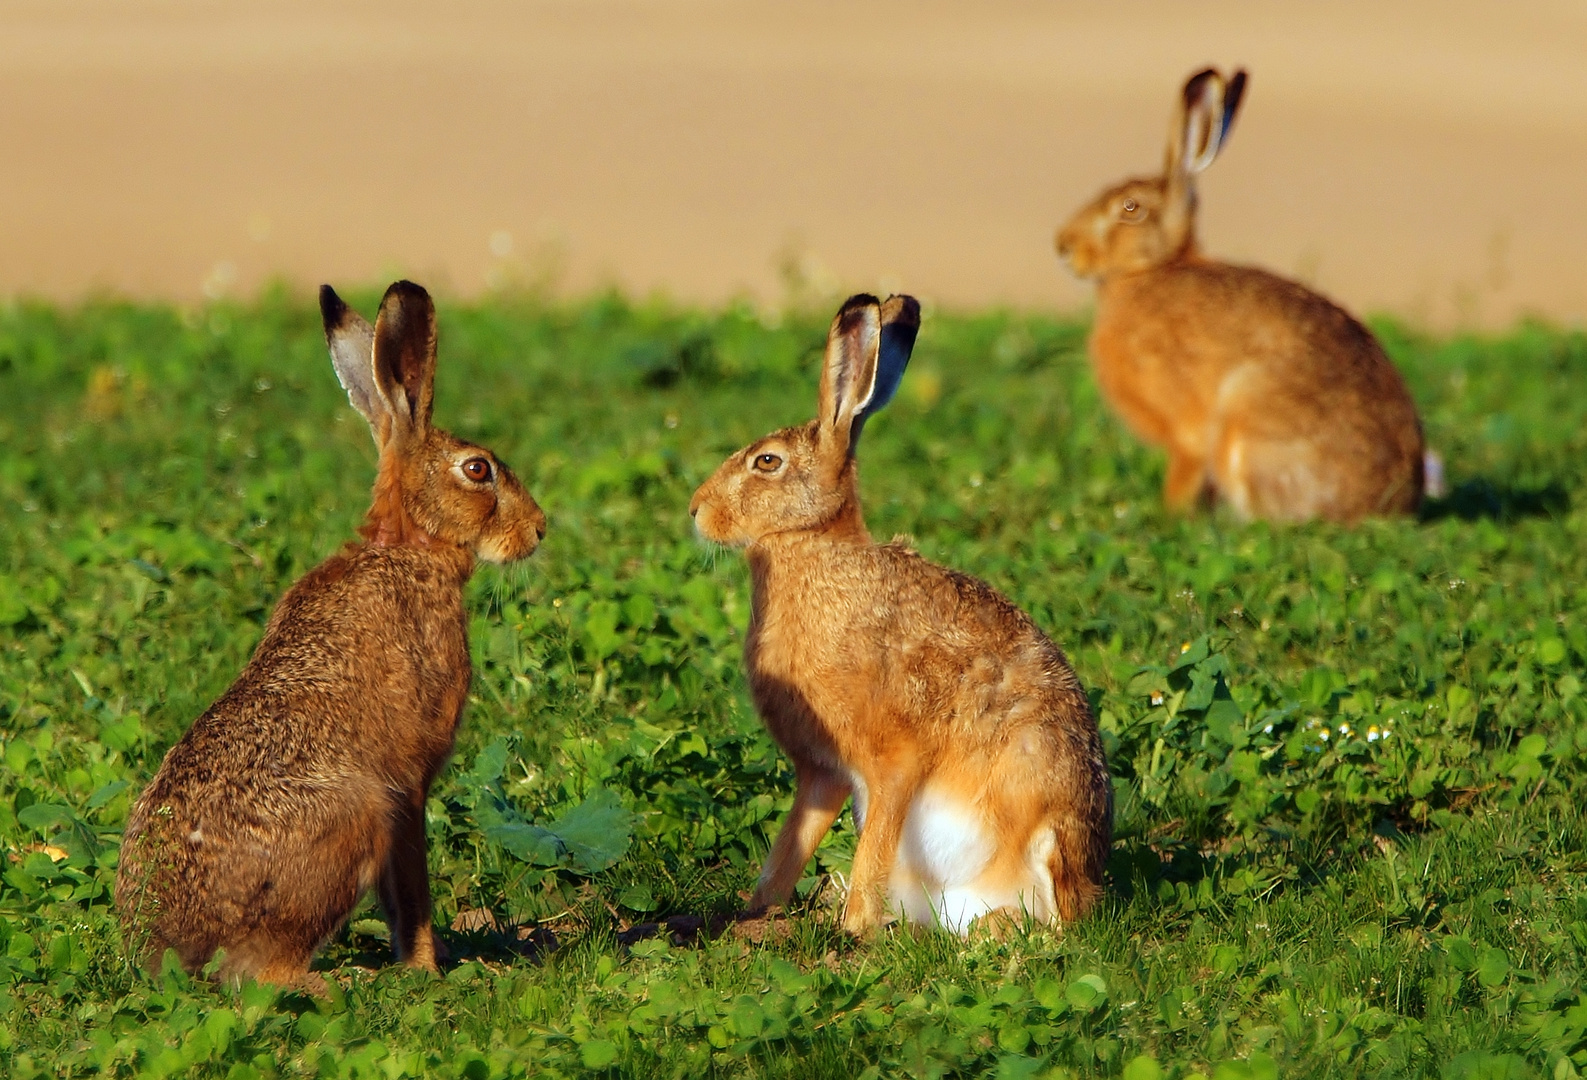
[498, 550]
[702, 526]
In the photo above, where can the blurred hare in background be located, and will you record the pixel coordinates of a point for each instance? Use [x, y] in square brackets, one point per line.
[1267, 396]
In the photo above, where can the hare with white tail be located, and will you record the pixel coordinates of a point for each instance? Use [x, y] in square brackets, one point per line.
[961, 731]
[1266, 395]
[304, 785]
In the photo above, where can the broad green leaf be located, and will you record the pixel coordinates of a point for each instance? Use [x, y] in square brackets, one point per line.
[106, 793]
[598, 1053]
[1493, 968]
[596, 832]
[637, 898]
[1462, 956]
[1143, 1067]
[488, 766]
[46, 817]
[529, 843]
[1550, 650]
[1087, 992]
[1190, 654]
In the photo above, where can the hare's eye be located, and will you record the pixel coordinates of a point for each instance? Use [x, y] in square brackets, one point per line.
[477, 469]
[767, 463]
[1131, 210]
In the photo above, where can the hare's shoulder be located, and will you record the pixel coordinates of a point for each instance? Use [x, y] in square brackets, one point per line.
[365, 583]
[1248, 291]
[949, 595]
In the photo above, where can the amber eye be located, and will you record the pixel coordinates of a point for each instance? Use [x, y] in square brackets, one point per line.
[477, 469]
[1131, 210]
[767, 463]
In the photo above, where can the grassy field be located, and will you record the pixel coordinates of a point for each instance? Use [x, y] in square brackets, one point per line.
[1350, 764]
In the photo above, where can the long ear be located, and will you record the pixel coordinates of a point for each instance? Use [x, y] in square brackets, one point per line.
[1202, 121]
[848, 377]
[900, 317]
[404, 357]
[352, 343]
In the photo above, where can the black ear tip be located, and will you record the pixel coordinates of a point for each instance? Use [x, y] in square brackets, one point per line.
[901, 309]
[405, 291]
[331, 306]
[1194, 83]
[853, 312]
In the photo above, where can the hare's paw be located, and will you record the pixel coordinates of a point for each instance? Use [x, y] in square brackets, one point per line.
[427, 950]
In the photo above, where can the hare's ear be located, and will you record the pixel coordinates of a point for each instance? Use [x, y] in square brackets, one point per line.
[900, 317]
[848, 376]
[1201, 123]
[404, 356]
[352, 343]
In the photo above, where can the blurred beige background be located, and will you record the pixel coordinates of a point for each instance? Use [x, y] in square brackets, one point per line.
[1424, 157]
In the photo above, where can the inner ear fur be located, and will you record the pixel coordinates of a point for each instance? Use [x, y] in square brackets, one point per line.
[1202, 118]
[848, 375]
[404, 355]
[352, 344]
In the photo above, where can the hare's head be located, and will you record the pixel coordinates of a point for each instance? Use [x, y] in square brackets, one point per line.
[801, 479]
[432, 487]
[1149, 221]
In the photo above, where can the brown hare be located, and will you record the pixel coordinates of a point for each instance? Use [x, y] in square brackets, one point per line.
[1266, 395]
[961, 731]
[304, 785]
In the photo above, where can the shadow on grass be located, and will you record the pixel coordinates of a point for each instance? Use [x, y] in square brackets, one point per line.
[478, 936]
[1497, 500]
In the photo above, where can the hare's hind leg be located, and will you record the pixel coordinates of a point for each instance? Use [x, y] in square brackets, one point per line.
[277, 963]
[1275, 479]
[405, 888]
[303, 893]
[1075, 862]
[818, 800]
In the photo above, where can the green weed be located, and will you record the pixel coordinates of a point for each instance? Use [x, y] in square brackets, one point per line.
[1349, 763]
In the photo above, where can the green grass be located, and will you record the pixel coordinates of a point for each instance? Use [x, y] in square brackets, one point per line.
[1407, 897]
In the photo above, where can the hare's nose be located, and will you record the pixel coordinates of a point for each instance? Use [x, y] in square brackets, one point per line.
[694, 504]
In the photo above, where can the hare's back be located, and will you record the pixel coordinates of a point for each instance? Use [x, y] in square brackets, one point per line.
[1223, 316]
[983, 658]
[356, 683]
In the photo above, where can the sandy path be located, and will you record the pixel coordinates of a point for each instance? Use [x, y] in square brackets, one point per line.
[1421, 157]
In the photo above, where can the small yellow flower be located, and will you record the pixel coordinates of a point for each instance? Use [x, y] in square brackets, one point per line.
[1184, 648]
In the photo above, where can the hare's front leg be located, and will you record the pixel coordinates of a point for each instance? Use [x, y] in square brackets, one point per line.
[887, 808]
[405, 887]
[818, 800]
[1186, 480]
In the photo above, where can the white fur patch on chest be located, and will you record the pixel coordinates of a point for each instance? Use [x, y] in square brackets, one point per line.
[945, 842]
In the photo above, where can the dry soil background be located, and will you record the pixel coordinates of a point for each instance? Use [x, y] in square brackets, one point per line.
[1423, 157]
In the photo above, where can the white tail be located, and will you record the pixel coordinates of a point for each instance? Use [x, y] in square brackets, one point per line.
[1433, 486]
